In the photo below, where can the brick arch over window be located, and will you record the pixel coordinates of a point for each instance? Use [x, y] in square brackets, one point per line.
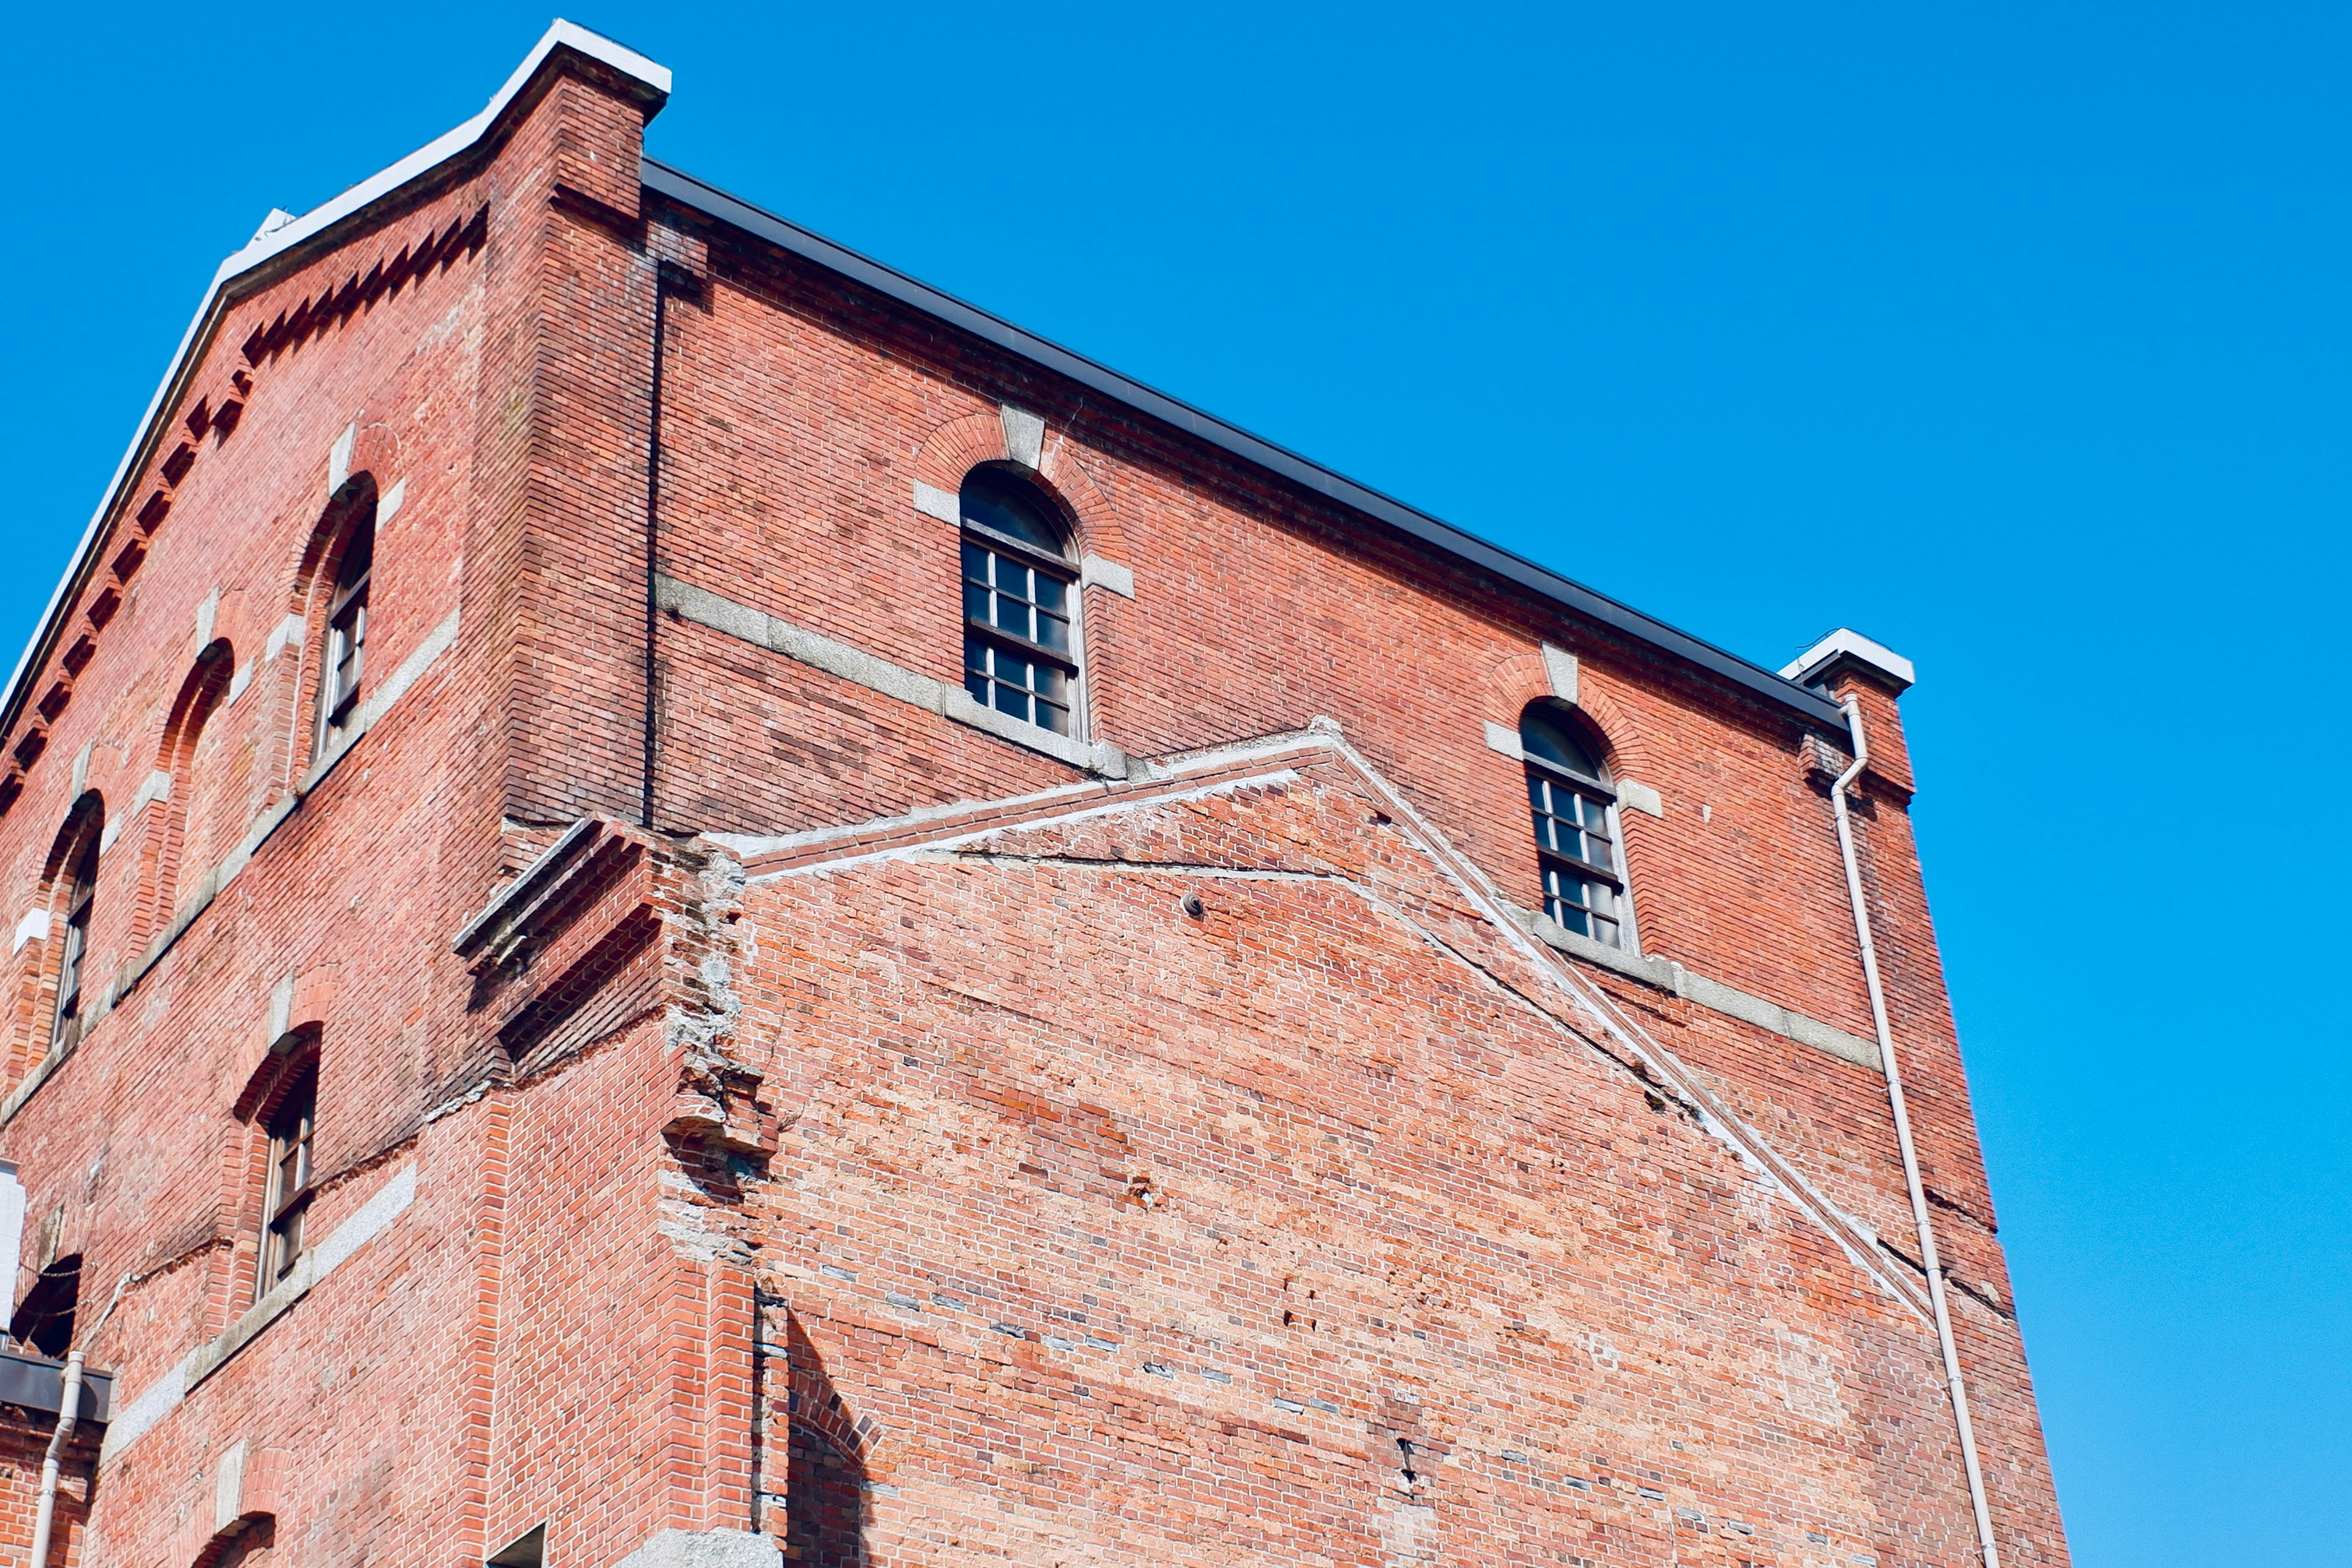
[168, 841]
[346, 519]
[322, 548]
[288, 1066]
[830, 1453]
[1521, 678]
[40, 959]
[960, 445]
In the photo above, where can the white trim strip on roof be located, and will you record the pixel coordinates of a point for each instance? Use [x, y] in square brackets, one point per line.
[273, 242]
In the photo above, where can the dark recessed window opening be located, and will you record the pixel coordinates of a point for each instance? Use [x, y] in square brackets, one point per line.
[45, 1319]
[1020, 599]
[288, 1193]
[81, 889]
[527, 1551]
[1576, 837]
[344, 659]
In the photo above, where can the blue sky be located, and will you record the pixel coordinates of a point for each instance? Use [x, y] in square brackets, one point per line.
[2016, 338]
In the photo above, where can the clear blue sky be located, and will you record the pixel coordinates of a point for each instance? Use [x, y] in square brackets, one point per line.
[2016, 338]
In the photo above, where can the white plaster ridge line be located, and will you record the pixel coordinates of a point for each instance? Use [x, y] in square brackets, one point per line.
[749, 846]
[1746, 1142]
[1110, 808]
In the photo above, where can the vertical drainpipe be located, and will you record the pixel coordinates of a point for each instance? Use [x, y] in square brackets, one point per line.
[45, 1517]
[1894, 1069]
[652, 534]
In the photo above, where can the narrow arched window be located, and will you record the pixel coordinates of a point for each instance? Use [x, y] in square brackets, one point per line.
[1576, 826]
[80, 893]
[287, 1195]
[343, 654]
[1019, 603]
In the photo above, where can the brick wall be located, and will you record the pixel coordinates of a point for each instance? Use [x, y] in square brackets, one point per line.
[929, 1186]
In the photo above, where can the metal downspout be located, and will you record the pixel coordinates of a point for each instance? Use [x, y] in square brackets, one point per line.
[68, 1416]
[1928, 1255]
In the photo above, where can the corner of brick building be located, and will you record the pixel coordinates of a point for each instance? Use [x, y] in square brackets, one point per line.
[878, 1158]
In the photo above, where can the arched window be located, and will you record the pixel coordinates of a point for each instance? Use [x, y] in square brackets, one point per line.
[169, 841]
[343, 648]
[73, 910]
[1019, 603]
[286, 1197]
[1576, 825]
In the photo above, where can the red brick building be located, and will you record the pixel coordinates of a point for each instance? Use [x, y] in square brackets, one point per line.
[673, 900]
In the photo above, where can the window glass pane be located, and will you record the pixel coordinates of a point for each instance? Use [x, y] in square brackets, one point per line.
[992, 498]
[1054, 632]
[1052, 592]
[1550, 738]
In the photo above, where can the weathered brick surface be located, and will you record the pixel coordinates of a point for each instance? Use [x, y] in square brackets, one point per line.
[931, 1186]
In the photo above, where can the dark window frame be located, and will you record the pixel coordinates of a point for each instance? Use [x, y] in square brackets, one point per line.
[291, 1181]
[73, 960]
[343, 645]
[1607, 919]
[992, 652]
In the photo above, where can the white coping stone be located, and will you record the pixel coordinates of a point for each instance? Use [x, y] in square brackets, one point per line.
[1641, 797]
[1096, 572]
[1506, 740]
[1024, 436]
[389, 505]
[207, 614]
[1846, 640]
[228, 1487]
[706, 1549]
[339, 459]
[282, 1006]
[81, 768]
[933, 501]
[239, 678]
[285, 634]
[1560, 664]
[275, 236]
[34, 927]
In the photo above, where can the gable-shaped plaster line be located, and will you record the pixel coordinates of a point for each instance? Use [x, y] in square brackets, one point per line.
[1625, 1041]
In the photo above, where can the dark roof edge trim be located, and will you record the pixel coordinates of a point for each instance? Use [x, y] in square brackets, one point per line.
[689, 192]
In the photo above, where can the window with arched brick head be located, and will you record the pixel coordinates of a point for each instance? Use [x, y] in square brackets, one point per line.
[1020, 602]
[1575, 810]
[73, 904]
[342, 666]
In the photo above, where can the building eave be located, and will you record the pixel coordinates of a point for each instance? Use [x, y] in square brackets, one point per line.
[1754, 679]
[258, 262]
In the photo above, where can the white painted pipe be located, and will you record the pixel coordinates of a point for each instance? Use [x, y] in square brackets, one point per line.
[1893, 1069]
[69, 1414]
